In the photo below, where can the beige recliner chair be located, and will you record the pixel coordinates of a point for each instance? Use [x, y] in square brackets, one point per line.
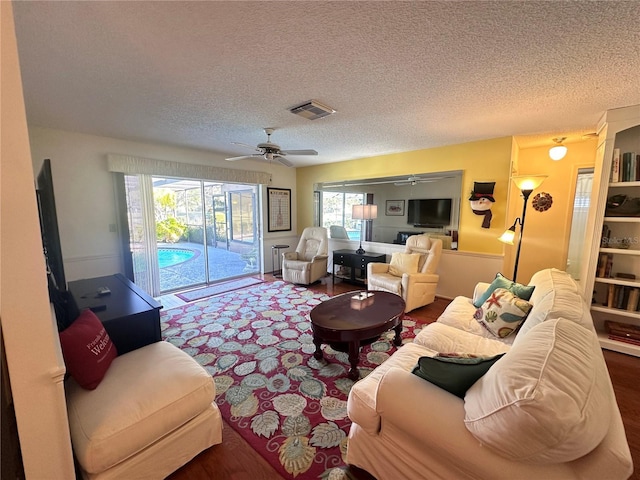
[338, 231]
[309, 262]
[411, 274]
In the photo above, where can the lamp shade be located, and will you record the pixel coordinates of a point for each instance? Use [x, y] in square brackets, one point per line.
[508, 236]
[364, 212]
[528, 182]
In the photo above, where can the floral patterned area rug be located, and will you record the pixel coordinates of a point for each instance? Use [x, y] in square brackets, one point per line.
[257, 344]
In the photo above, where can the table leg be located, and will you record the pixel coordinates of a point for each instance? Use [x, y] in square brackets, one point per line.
[354, 356]
[397, 341]
[318, 353]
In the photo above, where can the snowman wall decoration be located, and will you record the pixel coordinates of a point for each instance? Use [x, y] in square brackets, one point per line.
[481, 201]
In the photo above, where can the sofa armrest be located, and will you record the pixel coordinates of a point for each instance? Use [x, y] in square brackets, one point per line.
[422, 410]
[481, 287]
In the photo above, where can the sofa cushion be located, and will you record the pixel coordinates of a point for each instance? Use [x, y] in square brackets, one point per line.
[459, 314]
[502, 313]
[454, 372]
[521, 291]
[146, 394]
[404, 263]
[445, 338]
[547, 400]
[87, 350]
[556, 295]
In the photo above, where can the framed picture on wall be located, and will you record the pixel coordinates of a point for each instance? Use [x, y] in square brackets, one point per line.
[394, 208]
[279, 209]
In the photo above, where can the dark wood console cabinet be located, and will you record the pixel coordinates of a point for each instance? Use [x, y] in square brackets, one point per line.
[130, 316]
[355, 263]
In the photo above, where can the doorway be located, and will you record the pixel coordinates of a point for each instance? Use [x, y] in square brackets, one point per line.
[581, 204]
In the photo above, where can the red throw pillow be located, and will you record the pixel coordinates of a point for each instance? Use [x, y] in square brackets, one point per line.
[87, 350]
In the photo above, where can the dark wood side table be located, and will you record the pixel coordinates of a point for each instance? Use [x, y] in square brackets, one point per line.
[353, 319]
[356, 263]
[130, 316]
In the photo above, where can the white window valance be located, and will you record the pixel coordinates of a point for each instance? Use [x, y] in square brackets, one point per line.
[132, 165]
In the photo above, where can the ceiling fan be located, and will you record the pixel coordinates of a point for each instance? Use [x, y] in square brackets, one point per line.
[415, 179]
[270, 151]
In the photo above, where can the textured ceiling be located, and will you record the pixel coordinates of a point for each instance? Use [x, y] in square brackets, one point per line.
[401, 75]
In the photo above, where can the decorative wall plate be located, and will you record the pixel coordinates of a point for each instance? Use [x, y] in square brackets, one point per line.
[542, 201]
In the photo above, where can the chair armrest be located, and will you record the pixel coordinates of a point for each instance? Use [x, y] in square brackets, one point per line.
[481, 287]
[420, 278]
[319, 258]
[374, 267]
[290, 255]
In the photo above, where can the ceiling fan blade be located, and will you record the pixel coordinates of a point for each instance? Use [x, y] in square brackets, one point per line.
[299, 152]
[245, 145]
[243, 157]
[283, 161]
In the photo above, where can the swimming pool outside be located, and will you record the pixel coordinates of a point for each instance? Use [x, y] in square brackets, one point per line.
[190, 272]
[168, 257]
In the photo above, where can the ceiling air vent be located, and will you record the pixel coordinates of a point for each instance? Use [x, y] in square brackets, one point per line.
[312, 110]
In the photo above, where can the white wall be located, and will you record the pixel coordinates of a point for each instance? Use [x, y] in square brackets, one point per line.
[33, 355]
[85, 198]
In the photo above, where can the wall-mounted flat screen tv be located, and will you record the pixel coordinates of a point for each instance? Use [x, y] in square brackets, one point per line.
[49, 225]
[429, 212]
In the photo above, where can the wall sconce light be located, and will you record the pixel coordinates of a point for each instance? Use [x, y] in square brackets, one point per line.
[526, 184]
[366, 213]
[558, 151]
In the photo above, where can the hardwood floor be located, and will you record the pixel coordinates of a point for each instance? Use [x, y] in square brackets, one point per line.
[624, 371]
[234, 459]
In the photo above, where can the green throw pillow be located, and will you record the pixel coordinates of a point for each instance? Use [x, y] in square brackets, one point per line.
[521, 291]
[455, 374]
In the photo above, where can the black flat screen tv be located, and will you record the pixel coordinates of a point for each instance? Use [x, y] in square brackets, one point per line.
[429, 212]
[49, 225]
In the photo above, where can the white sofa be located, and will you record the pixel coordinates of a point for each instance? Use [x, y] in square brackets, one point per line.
[545, 409]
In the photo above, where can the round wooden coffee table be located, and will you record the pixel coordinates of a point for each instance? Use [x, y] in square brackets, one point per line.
[348, 321]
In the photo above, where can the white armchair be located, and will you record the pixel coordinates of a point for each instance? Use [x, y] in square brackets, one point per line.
[309, 262]
[338, 231]
[411, 274]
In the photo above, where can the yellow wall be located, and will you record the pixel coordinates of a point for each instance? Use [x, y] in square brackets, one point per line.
[546, 235]
[487, 160]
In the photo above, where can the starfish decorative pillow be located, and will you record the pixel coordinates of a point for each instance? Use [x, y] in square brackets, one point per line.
[502, 313]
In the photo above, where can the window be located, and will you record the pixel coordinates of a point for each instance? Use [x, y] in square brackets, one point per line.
[336, 210]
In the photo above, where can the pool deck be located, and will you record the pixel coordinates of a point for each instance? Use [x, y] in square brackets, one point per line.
[223, 264]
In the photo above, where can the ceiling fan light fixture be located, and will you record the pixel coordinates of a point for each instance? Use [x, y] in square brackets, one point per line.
[558, 151]
[312, 110]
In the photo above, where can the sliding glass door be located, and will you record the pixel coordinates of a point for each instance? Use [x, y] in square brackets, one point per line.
[186, 233]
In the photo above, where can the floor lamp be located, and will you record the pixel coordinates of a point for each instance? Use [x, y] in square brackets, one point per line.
[526, 184]
[364, 213]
